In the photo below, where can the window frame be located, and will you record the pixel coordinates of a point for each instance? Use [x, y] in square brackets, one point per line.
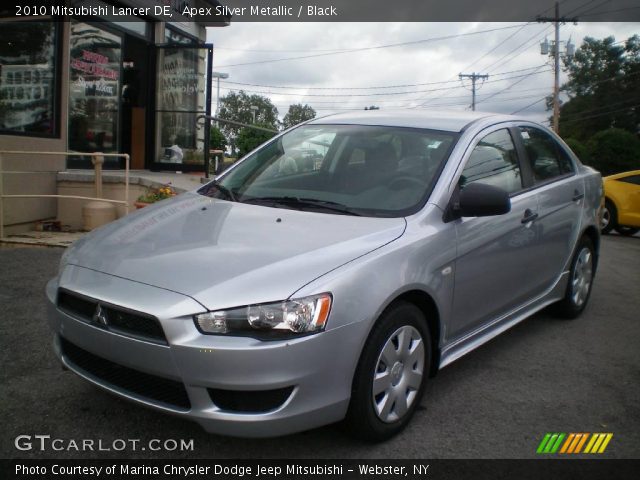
[509, 127]
[626, 178]
[56, 114]
[527, 163]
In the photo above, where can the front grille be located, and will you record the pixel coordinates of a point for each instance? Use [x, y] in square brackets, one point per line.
[247, 401]
[144, 385]
[118, 320]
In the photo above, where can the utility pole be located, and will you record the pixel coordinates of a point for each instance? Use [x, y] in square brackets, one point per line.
[218, 75]
[555, 52]
[474, 78]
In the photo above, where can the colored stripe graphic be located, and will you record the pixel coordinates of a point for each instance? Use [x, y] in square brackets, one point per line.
[572, 443]
[543, 443]
[567, 442]
[605, 443]
[551, 443]
[583, 439]
[598, 443]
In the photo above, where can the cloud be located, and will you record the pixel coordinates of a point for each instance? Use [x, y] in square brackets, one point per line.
[497, 52]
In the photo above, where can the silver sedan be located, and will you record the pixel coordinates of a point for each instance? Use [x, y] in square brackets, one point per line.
[331, 272]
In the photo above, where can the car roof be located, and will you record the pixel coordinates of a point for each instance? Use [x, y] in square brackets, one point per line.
[446, 120]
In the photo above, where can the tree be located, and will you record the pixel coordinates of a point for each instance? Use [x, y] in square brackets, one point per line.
[579, 148]
[603, 88]
[249, 138]
[613, 151]
[298, 113]
[217, 140]
[236, 106]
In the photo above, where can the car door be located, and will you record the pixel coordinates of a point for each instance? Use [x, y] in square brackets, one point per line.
[493, 264]
[560, 201]
[629, 192]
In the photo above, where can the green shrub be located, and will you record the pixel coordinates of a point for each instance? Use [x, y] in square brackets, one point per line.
[613, 151]
[579, 148]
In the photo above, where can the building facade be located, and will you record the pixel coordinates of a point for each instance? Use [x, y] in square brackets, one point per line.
[107, 84]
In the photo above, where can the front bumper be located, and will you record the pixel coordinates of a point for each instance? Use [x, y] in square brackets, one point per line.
[315, 370]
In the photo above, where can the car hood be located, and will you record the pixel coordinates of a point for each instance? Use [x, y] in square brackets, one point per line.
[225, 254]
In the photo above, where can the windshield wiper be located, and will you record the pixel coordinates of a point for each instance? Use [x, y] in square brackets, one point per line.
[304, 202]
[224, 190]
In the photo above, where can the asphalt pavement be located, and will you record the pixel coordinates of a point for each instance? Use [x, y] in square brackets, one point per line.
[544, 375]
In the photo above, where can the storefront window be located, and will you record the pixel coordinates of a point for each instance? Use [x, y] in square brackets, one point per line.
[94, 90]
[180, 100]
[28, 75]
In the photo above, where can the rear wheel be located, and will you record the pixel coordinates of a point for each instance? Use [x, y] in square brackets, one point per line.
[610, 221]
[608, 217]
[580, 281]
[391, 373]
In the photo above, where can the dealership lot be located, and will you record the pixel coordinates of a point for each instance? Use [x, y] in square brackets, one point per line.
[545, 375]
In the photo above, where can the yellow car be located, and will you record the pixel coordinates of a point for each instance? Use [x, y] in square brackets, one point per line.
[622, 203]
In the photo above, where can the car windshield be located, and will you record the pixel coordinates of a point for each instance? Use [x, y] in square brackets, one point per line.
[340, 169]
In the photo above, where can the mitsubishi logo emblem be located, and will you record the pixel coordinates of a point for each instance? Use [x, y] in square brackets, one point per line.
[100, 317]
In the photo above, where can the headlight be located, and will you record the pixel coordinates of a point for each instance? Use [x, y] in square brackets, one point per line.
[298, 316]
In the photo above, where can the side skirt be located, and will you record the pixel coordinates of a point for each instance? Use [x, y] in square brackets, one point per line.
[480, 336]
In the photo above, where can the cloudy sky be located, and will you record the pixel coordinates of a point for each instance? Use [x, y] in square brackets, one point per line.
[342, 71]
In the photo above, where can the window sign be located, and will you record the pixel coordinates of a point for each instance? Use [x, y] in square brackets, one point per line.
[180, 100]
[28, 78]
[94, 89]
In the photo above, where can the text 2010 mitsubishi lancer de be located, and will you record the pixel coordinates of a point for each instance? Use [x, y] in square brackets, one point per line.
[330, 272]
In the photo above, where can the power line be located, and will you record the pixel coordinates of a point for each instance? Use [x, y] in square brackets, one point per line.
[376, 47]
[375, 94]
[365, 102]
[590, 9]
[498, 46]
[578, 7]
[608, 11]
[513, 84]
[601, 114]
[510, 53]
[378, 87]
[597, 109]
[333, 105]
[529, 105]
[499, 61]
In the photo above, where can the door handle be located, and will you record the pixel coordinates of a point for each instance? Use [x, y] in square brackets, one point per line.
[529, 216]
[577, 196]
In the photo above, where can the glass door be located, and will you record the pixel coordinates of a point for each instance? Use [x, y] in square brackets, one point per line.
[183, 87]
[94, 93]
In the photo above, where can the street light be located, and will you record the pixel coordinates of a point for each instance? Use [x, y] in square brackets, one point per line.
[254, 109]
[218, 75]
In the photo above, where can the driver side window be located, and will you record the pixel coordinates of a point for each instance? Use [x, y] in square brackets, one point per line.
[494, 162]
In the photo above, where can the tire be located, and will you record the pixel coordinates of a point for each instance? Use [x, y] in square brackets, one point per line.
[626, 231]
[581, 275]
[609, 216]
[397, 355]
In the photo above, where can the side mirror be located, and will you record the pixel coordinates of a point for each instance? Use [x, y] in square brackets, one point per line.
[481, 200]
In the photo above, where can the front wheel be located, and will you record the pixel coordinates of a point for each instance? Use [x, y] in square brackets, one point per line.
[390, 378]
[581, 277]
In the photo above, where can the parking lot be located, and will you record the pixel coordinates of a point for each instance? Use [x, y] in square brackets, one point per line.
[544, 375]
